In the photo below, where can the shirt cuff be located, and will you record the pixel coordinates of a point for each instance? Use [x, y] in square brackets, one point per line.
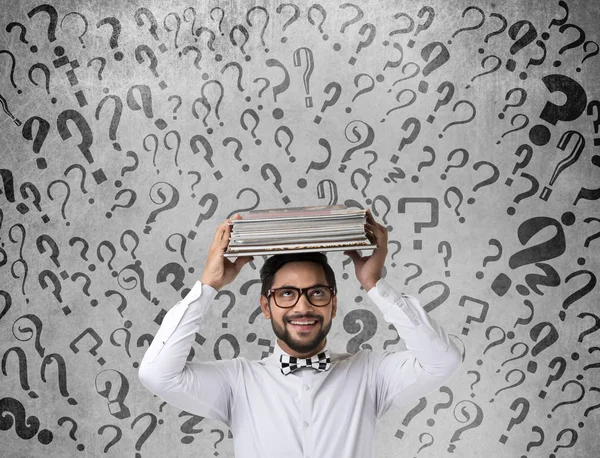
[383, 295]
[197, 290]
[387, 298]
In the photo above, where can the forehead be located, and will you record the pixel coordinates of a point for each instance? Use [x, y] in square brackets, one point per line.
[300, 273]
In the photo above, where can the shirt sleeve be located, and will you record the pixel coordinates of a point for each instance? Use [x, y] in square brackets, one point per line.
[201, 388]
[430, 358]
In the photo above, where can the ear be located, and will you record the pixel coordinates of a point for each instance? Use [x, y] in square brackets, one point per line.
[334, 308]
[264, 305]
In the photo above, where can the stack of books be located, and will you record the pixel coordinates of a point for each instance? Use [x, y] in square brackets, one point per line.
[299, 229]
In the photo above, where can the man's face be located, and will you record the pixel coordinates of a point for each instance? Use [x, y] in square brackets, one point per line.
[294, 340]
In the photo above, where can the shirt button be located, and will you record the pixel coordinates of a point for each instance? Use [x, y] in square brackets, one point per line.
[306, 387]
[306, 424]
[385, 294]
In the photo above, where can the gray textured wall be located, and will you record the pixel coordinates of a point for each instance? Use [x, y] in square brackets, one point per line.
[450, 120]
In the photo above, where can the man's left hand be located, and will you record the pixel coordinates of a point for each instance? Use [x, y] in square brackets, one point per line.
[368, 269]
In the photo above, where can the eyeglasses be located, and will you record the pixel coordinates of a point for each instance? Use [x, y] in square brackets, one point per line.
[288, 296]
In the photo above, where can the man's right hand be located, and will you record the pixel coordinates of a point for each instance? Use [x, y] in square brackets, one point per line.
[219, 270]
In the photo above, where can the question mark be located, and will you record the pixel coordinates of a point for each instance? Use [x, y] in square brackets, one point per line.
[462, 163]
[462, 121]
[447, 250]
[575, 105]
[178, 98]
[484, 60]
[494, 258]
[116, 117]
[544, 251]
[475, 27]
[310, 65]
[528, 150]
[334, 87]
[518, 103]
[114, 37]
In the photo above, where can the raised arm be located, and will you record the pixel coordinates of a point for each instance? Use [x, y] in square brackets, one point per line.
[202, 388]
[430, 358]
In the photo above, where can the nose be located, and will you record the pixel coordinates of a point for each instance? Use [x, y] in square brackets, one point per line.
[303, 304]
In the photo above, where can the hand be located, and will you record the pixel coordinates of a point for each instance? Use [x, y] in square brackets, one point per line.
[219, 270]
[368, 269]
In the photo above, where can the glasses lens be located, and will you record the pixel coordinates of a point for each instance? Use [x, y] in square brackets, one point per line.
[318, 295]
[286, 297]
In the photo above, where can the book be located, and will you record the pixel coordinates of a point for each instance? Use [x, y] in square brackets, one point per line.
[299, 229]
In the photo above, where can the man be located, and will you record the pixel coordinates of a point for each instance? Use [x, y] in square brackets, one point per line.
[304, 400]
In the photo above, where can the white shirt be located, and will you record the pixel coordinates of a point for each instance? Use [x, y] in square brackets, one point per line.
[308, 413]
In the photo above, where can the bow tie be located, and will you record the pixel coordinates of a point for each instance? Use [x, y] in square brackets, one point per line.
[289, 364]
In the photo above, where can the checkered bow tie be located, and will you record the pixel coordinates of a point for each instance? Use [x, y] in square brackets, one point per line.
[289, 364]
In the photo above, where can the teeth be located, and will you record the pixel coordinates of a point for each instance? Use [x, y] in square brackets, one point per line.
[303, 322]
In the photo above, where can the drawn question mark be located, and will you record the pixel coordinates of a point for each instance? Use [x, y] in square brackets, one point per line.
[46, 71]
[364, 331]
[544, 251]
[423, 164]
[520, 418]
[534, 186]
[574, 106]
[365, 90]
[494, 68]
[458, 194]
[177, 105]
[474, 27]
[446, 248]
[310, 65]
[493, 258]
[85, 24]
[512, 123]
[462, 121]
[488, 181]
[43, 127]
[114, 37]
[461, 163]
[525, 151]
[336, 90]
[528, 37]
[477, 420]
[518, 103]
[573, 401]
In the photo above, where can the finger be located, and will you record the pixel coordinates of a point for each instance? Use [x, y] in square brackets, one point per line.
[222, 235]
[229, 224]
[225, 234]
[354, 254]
[372, 229]
[219, 233]
[241, 261]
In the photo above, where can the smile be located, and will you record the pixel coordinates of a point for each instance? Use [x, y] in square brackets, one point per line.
[303, 324]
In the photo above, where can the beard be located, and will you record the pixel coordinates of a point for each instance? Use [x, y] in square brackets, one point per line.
[300, 345]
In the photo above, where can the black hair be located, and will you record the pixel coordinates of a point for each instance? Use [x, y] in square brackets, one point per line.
[274, 263]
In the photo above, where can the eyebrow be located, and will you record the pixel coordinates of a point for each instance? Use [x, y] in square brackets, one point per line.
[292, 286]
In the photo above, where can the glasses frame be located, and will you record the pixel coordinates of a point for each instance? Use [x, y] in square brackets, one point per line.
[302, 291]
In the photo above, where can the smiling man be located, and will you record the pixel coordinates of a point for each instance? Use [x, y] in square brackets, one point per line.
[304, 400]
[303, 298]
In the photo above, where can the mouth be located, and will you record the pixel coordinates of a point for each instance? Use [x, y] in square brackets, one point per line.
[303, 324]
